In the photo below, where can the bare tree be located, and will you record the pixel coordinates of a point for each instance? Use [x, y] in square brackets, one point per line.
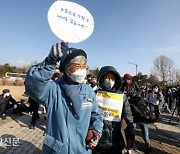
[177, 76]
[153, 80]
[163, 68]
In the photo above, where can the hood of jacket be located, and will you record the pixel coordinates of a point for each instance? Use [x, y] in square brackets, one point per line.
[106, 69]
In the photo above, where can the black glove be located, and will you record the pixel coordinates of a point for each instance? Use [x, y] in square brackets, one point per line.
[58, 52]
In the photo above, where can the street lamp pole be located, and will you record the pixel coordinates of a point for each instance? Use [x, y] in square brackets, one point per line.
[135, 65]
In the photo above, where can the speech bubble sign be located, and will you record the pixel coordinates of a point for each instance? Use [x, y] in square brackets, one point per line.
[70, 21]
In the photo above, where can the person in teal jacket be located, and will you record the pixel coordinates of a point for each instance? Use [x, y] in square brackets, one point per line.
[72, 110]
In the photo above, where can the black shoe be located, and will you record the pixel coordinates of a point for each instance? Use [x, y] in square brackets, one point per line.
[3, 116]
[148, 150]
[32, 126]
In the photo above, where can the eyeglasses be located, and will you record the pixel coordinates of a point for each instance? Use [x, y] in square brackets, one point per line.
[78, 66]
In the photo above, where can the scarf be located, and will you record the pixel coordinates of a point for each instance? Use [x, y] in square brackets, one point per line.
[72, 91]
[128, 83]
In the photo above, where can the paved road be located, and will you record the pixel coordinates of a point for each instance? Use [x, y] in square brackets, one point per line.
[18, 137]
[165, 136]
[14, 131]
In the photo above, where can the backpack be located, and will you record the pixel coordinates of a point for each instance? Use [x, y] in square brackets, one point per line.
[140, 109]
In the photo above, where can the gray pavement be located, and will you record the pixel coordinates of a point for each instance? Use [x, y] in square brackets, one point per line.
[164, 136]
[16, 137]
[172, 128]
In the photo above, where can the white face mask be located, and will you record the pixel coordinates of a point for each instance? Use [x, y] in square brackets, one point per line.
[78, 76]
[155, 90]
[6, 94]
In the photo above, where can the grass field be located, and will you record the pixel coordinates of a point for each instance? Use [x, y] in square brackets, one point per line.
[16, 91]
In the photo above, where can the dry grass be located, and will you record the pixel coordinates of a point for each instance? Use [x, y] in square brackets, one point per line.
[16, 91]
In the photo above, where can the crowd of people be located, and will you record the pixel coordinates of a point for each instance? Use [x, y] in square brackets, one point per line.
[30, 106]
[7, 102]
[87, 115]
[155, 101]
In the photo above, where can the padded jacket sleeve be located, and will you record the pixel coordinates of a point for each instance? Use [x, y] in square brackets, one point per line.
[37, 84]
[126, 113]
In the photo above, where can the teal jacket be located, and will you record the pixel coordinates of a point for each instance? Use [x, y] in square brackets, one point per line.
[65, 134]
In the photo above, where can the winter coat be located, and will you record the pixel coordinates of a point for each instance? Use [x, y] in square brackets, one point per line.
[111, 140]
[65, 134]
[154, 99]
[6, 101]
[131, 90]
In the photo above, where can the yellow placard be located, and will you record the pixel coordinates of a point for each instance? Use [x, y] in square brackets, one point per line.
[111, 105]
[110, 95]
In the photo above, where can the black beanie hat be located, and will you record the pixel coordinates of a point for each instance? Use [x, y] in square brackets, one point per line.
[6, 91]
[72, 54]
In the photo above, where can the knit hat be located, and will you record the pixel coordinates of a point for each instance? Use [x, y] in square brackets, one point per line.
[6, 91]
[127, 76]
[73, 52]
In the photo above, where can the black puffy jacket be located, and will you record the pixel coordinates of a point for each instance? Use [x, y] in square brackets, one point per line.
[5, 101]
[111, 141]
